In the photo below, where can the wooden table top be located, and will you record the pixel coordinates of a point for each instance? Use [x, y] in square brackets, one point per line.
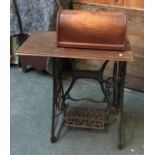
[44, 44]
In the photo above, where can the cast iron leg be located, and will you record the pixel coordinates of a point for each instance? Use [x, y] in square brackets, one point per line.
[53, 138]
[57, 97]
[121, 74]
[115, 70]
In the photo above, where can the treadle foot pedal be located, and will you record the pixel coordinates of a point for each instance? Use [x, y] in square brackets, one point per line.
[85, 118]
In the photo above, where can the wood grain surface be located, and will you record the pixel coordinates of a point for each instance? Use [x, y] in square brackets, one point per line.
[91, 29]
[44, 44]
[137, 4]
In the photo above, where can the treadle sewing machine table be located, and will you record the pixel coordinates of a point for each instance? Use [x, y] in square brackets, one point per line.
[44, 44]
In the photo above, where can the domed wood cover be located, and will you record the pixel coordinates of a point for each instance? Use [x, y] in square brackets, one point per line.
[91, 29]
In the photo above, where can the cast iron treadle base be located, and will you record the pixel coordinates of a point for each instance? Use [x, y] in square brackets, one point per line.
[85, 118]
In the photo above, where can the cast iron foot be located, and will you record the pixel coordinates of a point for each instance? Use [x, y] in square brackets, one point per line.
[53, 139]
[120, 146]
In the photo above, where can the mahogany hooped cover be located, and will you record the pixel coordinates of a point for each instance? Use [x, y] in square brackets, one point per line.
[91, 29]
